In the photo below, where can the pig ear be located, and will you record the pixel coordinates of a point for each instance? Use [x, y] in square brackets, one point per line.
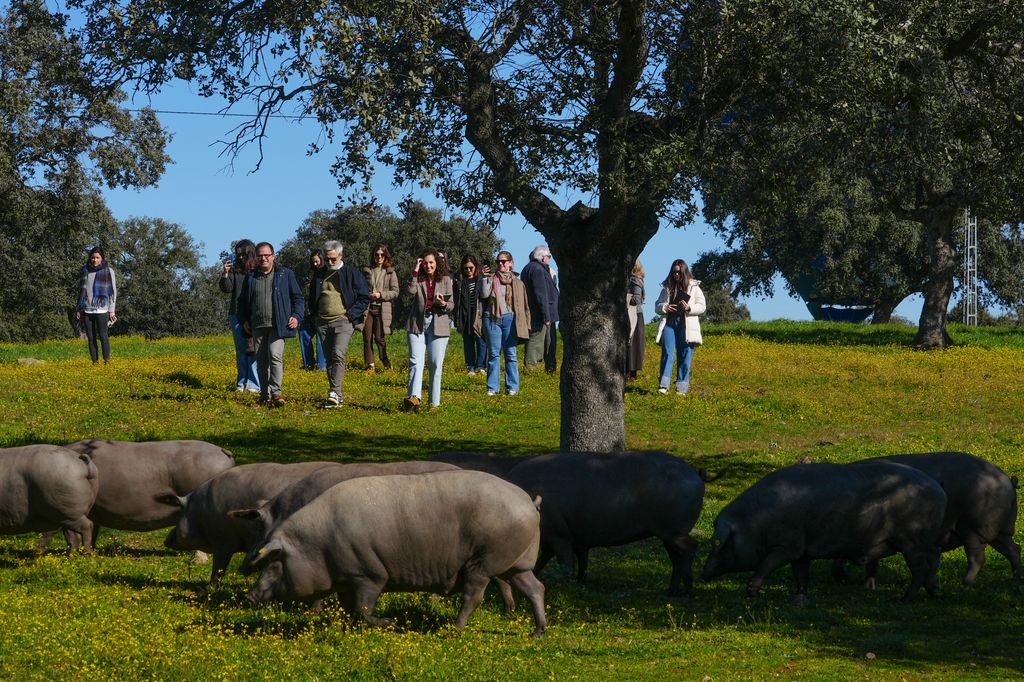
[246, 514]
[172, 500]
[265, 554]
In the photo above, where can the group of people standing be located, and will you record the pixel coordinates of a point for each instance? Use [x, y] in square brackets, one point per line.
[493, 309]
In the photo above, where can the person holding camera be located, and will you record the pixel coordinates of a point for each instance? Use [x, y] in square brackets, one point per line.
[428, 326]
[97, 296]
[506, 322]
[680, 303]
[241, 262]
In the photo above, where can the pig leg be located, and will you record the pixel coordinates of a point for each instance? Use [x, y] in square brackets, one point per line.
[839, 570]
[44, 541]
[473, 586]
[217, 570]
[777, 558]
[802, 575]
[507, 599]
[582, 559]
[920, 565]
[1005, 545]
[870, 574]
[365, 596]
[681, 552]
[527, 583]
[974, 548]
[80, 533]
[543, 558]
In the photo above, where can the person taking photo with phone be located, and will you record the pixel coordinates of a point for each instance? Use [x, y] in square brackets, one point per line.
[429, 326]
[680, 303]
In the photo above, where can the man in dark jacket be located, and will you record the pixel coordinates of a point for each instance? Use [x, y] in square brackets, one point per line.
[338, 299]
[270, 307]
[542, 297]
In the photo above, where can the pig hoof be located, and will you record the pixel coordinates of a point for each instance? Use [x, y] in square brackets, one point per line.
[537, 632]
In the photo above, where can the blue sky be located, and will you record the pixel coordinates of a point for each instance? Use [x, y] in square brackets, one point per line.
[217, 204]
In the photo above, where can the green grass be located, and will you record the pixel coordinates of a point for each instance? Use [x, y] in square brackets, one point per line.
[764, 395]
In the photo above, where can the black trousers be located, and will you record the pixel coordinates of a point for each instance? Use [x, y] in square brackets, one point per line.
[96, 330]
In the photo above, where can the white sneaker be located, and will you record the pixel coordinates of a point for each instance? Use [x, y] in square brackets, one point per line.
[491, 393]
[513, 392]
[471, 373]
[663, 391]
[332, 400]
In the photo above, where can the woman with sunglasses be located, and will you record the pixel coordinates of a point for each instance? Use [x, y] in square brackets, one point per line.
[680, 302]
[383, 285]
[428, 325]
[506, 322]
[467, 299]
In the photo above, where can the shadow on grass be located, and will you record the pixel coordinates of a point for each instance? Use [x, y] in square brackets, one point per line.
[819, 333]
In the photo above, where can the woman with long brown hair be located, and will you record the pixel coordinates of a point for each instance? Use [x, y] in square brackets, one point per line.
[428, 325]
[680, 302]
[505, 321]
[382, 282]
[467, 301]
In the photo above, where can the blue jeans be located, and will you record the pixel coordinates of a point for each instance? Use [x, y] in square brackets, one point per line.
[501, 339]
[474, 348]
[311, 345]
[673, 342]
[245, 365]
[434, 347]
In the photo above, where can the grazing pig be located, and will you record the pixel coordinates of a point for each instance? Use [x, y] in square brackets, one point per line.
[607, 499]
[981, 505]
[860, 512]
[302, 492]
[47, 487]
[434, 532]
[134, 475]
[205, 525]
[478, 461]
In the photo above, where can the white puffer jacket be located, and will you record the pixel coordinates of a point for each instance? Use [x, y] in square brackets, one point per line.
[697, 307]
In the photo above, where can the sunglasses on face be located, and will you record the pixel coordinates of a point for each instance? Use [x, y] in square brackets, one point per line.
[264, 256]
[502, 262]
[379, 254]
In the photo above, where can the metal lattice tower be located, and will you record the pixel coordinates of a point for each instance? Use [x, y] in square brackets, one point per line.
[970, 280]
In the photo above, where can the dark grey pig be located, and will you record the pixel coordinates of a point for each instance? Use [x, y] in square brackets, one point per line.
[608, 499]
[45, 488]
[981, 505]
[205, 525]
[296, 496]
[499, 465]
[860, 512]
[435, 532]
[134, 475]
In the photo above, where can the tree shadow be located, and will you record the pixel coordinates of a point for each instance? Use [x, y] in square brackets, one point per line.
[818, 333]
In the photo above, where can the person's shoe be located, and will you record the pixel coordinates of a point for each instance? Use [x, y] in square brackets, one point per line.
[264, 399]
[239, 389]
[332, 400]
[663, 391]
[277, 400]
[371, 369]
[471, 373]
[513, 393]
[411, 403]
[491, 393]
[253, 389]
[387, 366]
[482, 370]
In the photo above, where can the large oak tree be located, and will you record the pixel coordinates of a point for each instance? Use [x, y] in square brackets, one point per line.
[507, 105]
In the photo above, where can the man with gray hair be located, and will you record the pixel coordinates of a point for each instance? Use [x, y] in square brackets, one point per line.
[542, 297]
[338, 300]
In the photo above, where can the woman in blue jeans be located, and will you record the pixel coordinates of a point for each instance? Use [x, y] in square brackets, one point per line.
[680, 303]
[506, 322]
[429, 326]
[236, 268]
[309, 343]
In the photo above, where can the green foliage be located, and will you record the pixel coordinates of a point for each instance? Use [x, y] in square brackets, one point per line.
[63, 134]
[764, 395]
[162, 288]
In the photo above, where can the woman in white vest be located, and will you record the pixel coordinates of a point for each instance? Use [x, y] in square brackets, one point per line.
[680, 303]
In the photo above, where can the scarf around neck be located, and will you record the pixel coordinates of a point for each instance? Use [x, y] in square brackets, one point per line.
[505, 279]
[102, 286]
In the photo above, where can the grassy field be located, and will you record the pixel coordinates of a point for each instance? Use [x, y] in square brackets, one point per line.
[764, 395]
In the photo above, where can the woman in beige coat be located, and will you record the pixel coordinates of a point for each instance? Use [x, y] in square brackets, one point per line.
[506, 322]
[428, 326]
[679, 304]
[382, 282]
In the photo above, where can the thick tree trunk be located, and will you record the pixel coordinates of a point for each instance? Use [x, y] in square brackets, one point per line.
[593, 262]
[886, 305]
[931, 330]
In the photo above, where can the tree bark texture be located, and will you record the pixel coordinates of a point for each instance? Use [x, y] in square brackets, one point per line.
[931, 329]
